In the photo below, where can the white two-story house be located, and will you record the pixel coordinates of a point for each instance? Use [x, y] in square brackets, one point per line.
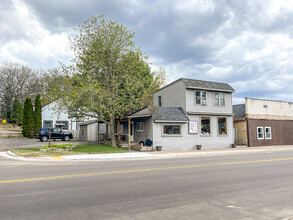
[184, 114]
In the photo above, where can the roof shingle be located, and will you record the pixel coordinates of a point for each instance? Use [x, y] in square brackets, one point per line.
[169, 114]
[207, 85]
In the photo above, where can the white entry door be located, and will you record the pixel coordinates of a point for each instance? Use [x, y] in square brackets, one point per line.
[132, 131]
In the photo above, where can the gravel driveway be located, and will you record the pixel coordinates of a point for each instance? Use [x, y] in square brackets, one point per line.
[17, 143]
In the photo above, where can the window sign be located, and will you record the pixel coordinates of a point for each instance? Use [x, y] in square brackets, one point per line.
[193, 127]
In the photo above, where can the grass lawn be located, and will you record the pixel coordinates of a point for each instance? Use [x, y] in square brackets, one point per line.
[80, 149]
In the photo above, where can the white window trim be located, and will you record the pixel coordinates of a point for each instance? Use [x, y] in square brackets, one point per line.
[171, 135]
[201, 99]
[219, 99]
[263, 132]
[138, 127]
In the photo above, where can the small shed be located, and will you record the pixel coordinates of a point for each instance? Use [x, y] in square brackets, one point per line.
[92, 131]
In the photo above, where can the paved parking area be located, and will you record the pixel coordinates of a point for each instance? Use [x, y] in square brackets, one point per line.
[18, 143]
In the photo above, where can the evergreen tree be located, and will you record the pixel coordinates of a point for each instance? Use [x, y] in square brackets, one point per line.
[17, 112]
[28, 119]
[37, 114]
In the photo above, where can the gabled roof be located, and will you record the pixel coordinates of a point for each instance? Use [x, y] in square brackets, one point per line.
[204, 85]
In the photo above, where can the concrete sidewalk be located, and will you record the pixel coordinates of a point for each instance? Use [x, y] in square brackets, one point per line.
[156, 154]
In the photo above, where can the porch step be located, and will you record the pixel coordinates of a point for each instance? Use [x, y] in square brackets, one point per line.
[137, 147]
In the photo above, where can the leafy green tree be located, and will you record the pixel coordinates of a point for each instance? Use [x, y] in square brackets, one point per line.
[108, 78]
[37, 114]
[28, 119]
[17, 112]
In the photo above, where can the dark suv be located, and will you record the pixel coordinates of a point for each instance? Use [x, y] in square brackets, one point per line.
[56, 133]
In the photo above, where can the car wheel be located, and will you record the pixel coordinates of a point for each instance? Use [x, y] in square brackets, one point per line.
[66, 138]
[44, 138]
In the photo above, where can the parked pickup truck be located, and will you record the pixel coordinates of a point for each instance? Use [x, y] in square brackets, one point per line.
[56, 133]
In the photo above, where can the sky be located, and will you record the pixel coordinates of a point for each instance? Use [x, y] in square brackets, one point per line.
[248, 44]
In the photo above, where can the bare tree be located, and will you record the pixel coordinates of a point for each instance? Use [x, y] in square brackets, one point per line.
[16, 83]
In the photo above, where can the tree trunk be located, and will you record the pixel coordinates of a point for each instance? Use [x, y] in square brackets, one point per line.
[112, 131]
[11, 108]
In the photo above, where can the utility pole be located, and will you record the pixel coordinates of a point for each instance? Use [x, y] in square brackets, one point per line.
[50, 134]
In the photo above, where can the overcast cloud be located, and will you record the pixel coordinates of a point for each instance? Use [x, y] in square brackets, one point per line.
[248, 44]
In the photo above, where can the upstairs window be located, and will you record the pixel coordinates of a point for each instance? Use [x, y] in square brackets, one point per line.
[201, 97]
[160, 100]
[219, 98]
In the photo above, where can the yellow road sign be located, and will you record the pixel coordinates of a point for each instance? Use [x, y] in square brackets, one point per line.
[4, 121]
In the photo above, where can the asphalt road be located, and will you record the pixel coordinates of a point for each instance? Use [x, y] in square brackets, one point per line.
[240, 186]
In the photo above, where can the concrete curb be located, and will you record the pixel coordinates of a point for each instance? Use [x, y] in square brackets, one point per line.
[150, 155]
[11, 155]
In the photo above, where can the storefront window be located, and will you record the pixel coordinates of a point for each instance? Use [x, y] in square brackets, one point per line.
[222, 126]
[205, 126]
[171, 129]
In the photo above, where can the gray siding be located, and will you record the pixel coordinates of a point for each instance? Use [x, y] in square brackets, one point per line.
[172, 96]
[144, 111]
[189, 141]
[148, 129]
[210, 107]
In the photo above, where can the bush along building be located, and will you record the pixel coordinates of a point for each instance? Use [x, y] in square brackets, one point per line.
[186, 113]
[261, 122]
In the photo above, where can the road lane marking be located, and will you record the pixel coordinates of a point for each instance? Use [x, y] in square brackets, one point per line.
[138, 170]
[57, 157]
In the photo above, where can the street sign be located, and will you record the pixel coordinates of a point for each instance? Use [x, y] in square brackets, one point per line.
[4, 121]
